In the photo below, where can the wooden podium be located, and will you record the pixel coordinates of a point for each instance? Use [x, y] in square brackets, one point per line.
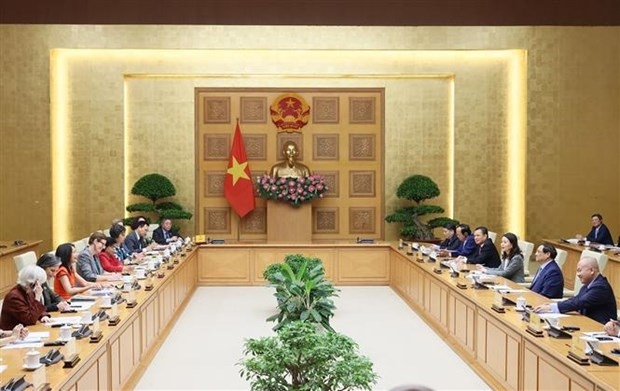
[288, 224]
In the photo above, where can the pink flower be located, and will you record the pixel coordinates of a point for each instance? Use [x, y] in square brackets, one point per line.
[311, 188]
[266, 187]
[319, 187]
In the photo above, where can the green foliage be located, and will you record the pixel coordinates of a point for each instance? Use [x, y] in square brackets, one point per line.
[302, 292]
[169, 205]
[155, 187]
[301, 357]
[141, 207]
[418, 188]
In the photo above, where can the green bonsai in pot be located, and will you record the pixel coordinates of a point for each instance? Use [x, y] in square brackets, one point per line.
[156, 187]
[418, 188]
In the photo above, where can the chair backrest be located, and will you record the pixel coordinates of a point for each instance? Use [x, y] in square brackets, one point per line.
[492, 236]
[560, 258]
[527, 248]
[602, 262]
[152, 227]
[80, 245]
[106, 232]
[22, 260]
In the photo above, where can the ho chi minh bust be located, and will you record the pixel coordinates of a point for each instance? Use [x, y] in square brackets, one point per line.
[289, 168]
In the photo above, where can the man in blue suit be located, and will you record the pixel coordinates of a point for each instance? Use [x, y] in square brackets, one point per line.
[468, 245]
[599, 232]
[595, 299]
[548, 280]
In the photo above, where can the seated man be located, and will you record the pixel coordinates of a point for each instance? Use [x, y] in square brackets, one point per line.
[164, 233]
[599, 232]
[595, 299]
[135, 241]
[467, 245]
[485, 253]
[548, 280]
[451, 242]
[290, 167]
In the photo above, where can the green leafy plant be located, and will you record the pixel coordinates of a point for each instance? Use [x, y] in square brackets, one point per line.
[418, 188]
[302, 357]
[302, 292]
[156, 187]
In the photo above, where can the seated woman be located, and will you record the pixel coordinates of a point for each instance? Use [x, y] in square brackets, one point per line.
[118, 232]
[512, 260]
[109, 261]
[51, 300]
[68, 282]
[18, 332]
[23, 303]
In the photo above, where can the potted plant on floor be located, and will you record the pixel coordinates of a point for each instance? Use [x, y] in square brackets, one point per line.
[302, 357]
[302, 292]
[418, 188]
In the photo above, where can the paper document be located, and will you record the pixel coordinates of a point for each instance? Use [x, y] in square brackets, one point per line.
[82, 305]
[602, 334]
[64, 320]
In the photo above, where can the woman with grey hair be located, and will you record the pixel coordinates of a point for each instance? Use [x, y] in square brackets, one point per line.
[23, 303]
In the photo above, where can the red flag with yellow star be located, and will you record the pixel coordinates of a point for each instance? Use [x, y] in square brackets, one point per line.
[238, 188]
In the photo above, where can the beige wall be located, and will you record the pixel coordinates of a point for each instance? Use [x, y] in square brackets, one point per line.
[122, 109]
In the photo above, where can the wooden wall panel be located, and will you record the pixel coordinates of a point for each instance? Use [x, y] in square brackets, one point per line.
[343, 139]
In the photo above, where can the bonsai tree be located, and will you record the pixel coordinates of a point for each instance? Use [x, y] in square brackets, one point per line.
[418, 188]
[156, 187]
[302, 292]
[301, 357]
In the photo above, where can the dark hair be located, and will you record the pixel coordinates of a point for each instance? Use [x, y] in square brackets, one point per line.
[549, 249]
[109, 241]
[450, 226]
[64, 252]
[483, 229]
[47, 260]
[598, 215]
[117, 230]
[96, 236]
[138, 222]
[464, 229]
[514, 241]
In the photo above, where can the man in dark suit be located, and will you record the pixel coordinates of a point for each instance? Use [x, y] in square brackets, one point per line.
[164, 233]
[467, 245]
[548, 280]
[595, 299]
[485, 254]
[599, 233]
[451, 242]
[134, 241]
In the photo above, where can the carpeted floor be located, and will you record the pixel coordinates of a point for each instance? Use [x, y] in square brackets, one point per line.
[202, 350]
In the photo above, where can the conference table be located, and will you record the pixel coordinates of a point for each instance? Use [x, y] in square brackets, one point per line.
[495, 345]
[612, 270]
[118, 360]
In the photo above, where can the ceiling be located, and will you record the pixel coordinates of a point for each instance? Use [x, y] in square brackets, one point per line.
[315, 12]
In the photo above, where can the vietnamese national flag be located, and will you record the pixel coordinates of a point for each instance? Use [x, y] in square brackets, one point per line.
[238, 188]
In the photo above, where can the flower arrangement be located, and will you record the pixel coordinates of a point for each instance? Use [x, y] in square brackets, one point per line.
[295, 191]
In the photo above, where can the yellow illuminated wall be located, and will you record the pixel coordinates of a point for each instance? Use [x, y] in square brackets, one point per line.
[512, 130]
